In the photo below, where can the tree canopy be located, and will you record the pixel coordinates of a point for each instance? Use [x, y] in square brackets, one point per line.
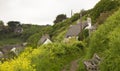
[60, 18]
[13, 24]
[1, 23]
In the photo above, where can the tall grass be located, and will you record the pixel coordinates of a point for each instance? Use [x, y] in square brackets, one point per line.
[10, 41]
[51, 57]
[105, 42]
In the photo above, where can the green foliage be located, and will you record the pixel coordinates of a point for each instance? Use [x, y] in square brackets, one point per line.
[85, 33]
[33, 40]
[103, 6]
[13, 25]
[31, 34]
[60, 37]
[99, 40]
[58, 28]
[111, 60]
[10, 41]
[105, 42]
[75, 17]
[30, 30]
[60, 18]
[1, 26]
[1, 23]
[19, 64]
[51, 57]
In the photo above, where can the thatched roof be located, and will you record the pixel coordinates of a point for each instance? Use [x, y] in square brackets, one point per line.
[43, 38]
[76, 29]
[7, 48]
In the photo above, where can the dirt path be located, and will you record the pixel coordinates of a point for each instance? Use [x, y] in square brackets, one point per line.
[73, 66]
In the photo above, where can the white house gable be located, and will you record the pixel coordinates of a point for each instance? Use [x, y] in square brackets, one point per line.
[47, 41]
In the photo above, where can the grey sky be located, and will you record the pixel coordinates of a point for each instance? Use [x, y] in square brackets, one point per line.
[40, 11]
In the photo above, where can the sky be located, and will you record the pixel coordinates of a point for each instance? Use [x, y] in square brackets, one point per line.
[40, 12]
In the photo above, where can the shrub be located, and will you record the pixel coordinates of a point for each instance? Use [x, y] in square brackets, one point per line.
[105, 42]
[51, 57]
[33, 40]
[111, 60]
[99, 41]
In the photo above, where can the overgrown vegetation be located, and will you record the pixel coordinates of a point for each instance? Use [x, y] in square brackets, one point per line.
[105, 42]
[51, 57]
[104, 6]
[9, 37]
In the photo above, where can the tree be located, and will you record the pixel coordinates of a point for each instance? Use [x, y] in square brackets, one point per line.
[60, 18]
[1, 25]
[104, 6]
[13, 25]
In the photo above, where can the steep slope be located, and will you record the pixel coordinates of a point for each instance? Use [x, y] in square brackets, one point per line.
[9, 38]
[99, 14]
[105, 42]
[53, 57]
[59, 30]
[50, 57]
[104, 6]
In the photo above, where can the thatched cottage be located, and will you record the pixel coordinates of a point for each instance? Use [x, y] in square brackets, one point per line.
[45, 39]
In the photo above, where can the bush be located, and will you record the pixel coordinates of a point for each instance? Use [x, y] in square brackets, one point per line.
[33, 40]
[99, 41]
[111, 61]
[60, 18]
[75, 17]
[105, 42]
[51, 57]
[103, 6]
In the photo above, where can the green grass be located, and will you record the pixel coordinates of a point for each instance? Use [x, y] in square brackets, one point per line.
[10, 41]
[105, 42]
[51, 57]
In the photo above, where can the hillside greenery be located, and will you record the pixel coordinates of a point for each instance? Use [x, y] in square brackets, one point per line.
[9, 37]
[105, 42]
[53, 57]
[34, 32]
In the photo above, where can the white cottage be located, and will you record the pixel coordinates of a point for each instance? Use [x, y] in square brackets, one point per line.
[90, 27]
[45, 39]
[1, 54]
[75, 30]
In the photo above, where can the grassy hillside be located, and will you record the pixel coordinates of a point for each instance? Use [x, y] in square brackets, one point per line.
[58, 31]
[105, 42]
[10, 38]
[51, 57]
[104, 6]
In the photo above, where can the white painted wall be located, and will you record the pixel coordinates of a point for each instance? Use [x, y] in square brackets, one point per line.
[14, 50]
[47, 41]
[89, 23]
[1, 54]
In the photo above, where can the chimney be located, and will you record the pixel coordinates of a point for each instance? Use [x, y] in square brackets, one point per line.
[89, 21]
[89, 25]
